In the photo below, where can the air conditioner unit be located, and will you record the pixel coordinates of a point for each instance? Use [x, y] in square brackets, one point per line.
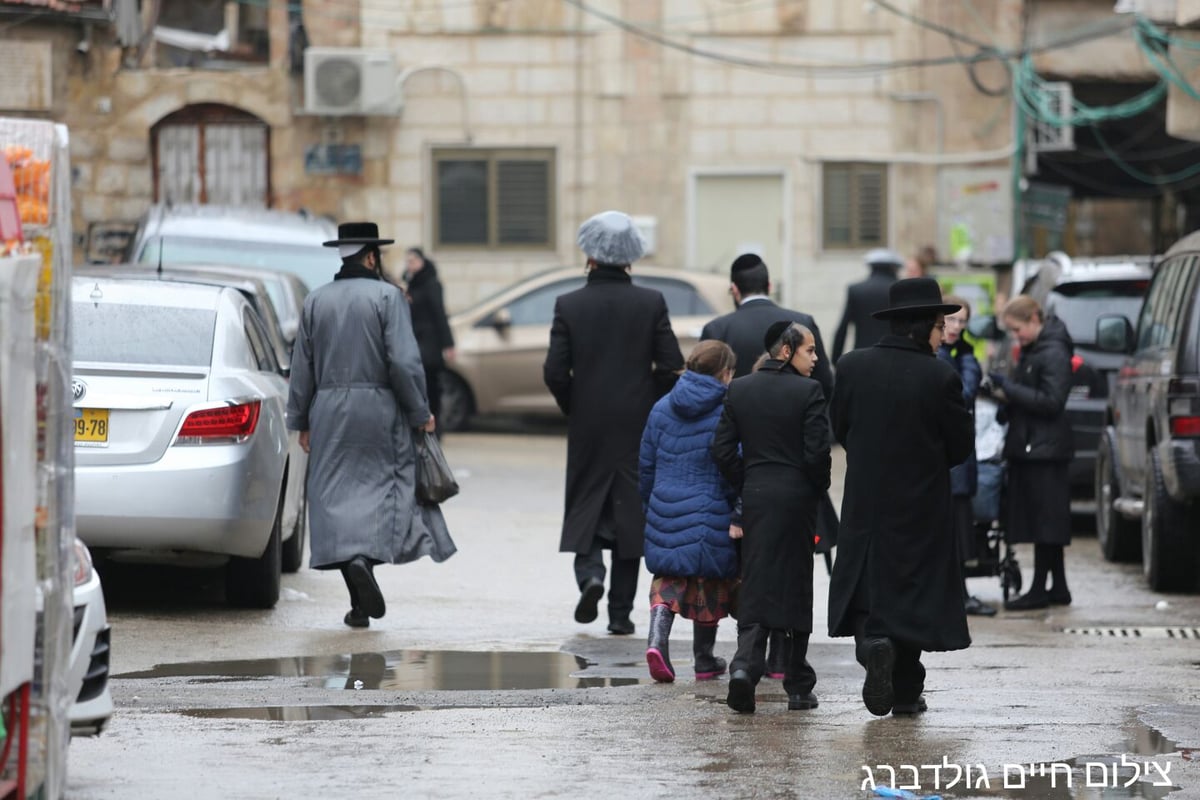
[340, 81]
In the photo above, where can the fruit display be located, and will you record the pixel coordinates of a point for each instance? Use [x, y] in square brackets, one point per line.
[32, 179]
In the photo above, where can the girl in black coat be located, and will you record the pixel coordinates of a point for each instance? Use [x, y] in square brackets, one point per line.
[777, 416]
[1038, 448]
[429, 321]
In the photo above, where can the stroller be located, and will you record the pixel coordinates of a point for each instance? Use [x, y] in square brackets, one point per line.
[992, 554]
[989, 553]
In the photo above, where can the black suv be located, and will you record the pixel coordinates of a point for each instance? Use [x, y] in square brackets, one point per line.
[1078, 291]
[1148, 464]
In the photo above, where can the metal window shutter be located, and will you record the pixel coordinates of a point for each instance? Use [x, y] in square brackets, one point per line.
[838, 217]
[869, 194]
[462, 205]
[523, 202]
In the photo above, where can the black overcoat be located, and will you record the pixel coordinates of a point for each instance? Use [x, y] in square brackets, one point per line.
[429, 322]
[612, 355]
[744, 329]
[778, 418]
[1036, 398]
[862, 300]
[899, 412]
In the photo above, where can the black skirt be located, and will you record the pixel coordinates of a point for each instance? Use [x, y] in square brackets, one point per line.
[1039, 502]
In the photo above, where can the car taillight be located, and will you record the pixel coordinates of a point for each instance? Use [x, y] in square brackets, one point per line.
[232, 423]
[1076, 363]
[1185, 426]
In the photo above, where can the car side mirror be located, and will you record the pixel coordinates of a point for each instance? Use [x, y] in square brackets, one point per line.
[289, 330]
[501, 319]
[984, 327]
[1114, 333]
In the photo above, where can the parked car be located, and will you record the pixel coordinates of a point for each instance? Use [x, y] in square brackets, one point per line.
[235, 236]
[1078, 291]
[90, 642]
[1148, 467]
[181, 450]
[501, 343]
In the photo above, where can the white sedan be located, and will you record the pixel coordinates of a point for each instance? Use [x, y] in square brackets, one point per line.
[181, 451]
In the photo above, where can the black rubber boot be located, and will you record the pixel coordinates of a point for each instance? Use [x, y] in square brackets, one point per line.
[658, 656]
[707, 666]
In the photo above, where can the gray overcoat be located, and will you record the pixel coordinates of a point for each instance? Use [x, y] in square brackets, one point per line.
[358, 386]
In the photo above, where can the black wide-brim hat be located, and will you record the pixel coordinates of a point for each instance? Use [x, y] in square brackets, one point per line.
[913, 297]
[363, 233]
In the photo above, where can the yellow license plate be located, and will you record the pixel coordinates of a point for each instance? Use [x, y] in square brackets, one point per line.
[91, 425]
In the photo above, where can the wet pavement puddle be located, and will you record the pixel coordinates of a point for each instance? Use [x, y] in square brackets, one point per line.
[298, 713]
[403, 670]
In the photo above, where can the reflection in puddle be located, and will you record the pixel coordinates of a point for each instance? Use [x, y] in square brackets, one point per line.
[297, 713]
[403, 670]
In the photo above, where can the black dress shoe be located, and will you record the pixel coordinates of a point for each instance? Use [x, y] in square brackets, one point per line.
[1029, 601]
[978, 608]
[917, 707]
[370, 599]
[1058, 598]
[802, 702]
[589, 599]
[741, 692]
[620, 627]
[357, 618]
[877, 692]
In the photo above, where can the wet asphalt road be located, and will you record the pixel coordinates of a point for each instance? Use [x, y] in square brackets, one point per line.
[479, 683]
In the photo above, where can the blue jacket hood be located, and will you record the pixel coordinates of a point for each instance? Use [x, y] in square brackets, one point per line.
[696, 395]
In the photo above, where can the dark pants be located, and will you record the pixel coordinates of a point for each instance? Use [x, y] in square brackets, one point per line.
[433, 389]
[798, 675]
[621, 588]
[908, 673]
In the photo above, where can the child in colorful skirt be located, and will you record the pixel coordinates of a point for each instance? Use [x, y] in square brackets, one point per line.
[689, 509]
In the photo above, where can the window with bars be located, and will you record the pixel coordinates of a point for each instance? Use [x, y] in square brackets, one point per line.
[854, 213]
[494, 198]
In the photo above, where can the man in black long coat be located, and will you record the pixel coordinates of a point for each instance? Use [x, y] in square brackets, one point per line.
[612, 355]
[863, 299]
[897, 582]
[743, 329]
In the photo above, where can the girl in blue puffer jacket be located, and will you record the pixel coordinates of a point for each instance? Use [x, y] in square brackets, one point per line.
[689, 508]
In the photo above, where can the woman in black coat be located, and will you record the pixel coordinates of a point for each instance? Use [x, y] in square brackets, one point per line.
[429, 321]
[777, 415]
[1038, 448]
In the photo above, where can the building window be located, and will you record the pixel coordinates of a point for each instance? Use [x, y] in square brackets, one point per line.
[211, 153]
[854, 213]
[494, 198]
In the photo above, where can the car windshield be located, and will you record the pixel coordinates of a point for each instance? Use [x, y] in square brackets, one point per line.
[1079, 305]
[121, 333]
[314, 265]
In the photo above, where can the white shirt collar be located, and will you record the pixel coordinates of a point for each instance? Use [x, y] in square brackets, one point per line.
[749, 298]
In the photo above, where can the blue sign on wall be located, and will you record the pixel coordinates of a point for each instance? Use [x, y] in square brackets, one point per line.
[333, 159]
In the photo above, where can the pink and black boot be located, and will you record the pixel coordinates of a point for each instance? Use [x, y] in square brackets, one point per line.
[708, 666]
[658, 657]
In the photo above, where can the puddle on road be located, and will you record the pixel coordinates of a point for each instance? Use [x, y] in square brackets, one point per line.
[403, 670]
[298, 713]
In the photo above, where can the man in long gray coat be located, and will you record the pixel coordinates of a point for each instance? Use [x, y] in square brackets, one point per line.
[357, 393]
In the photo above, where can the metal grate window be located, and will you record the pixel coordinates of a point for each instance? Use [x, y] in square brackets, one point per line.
[494, 198]
[854, 212]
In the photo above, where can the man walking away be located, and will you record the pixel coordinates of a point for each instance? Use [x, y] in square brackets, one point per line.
[357, 391]
[863, 299]
[897, 583]
[612, 355]
[743, 329]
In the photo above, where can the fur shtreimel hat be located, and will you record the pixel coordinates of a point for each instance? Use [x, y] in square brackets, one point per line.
[914, 297]
[610, 237]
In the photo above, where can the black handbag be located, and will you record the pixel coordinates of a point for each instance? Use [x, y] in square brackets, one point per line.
[435, 479]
